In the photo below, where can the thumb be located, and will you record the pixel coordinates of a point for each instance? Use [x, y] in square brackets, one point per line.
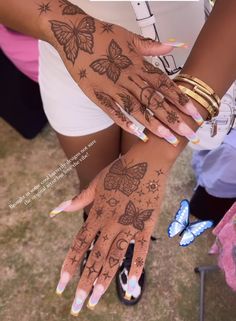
[78, 202]
[150, 47]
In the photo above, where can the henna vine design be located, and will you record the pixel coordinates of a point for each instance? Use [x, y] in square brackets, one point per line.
[124, 179]
[153, 186]
[91, 269]
[107, 27]
[69, 8]
[113, 64]
[44, 8]
[107, 101]
[135, 217]
[127, 102]
[139, 262]
[74, 37]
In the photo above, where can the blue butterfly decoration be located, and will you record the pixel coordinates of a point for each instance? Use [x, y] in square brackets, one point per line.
[181, 225]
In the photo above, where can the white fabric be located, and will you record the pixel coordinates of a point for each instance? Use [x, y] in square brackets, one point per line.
[68, 110]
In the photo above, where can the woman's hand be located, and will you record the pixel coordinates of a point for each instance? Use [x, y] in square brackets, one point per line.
[126, 197]
[107, 62]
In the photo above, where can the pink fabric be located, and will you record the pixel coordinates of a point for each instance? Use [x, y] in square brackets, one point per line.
[21, 50]
[225, 246]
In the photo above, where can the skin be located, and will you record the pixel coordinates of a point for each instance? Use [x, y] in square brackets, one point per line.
[199, 64]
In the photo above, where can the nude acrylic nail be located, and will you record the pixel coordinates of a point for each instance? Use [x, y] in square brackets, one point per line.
[60, 208]
[95, 297]
[192, 110]
[140, 134]
[132, 283]
[65, 278]
[167, 135]
[189, 133]
[80, 297]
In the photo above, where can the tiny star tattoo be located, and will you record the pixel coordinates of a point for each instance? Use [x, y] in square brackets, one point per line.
[82, 241]
[106, 276]
[139, 262]
[128, 234]
[153, 186]
[73, 260]
[98, 254]
[156, 198]
[142, 241]
[91, 269]
[105, 238]
[107, 27]
[82, 74]
[44, 8]
[140, 193]
[159, 172]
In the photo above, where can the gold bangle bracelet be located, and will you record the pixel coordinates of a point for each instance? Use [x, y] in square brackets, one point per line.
[203, 84]
[199, 99]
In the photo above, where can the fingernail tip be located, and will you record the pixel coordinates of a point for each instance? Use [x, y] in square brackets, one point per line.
[75, 314]
[91, 306]
[196, 141]
[127, 296]
[59, 293]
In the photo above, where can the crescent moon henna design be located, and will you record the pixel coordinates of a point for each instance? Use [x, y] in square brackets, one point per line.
[124, 179]
[135, 217]
[119, 244]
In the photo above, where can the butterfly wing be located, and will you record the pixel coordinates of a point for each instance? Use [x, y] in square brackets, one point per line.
[113, 72]
[151, 69]
[181, 219]
[194, 230]
[114, 50]
[86, 28]
[141, 218]
[128, 217]
[122, 62]
[100, 65]
[137, 171]
[70, 9]
[66, 37]
[113, 178]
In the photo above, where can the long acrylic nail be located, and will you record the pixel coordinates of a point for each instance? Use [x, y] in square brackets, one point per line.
[192, 110]
[60, 208]
[65, 278]
[81, 295]
[167, 135]
[132, 283]
[176, 44]
[98, 291]
[189, 133]
[136, 130]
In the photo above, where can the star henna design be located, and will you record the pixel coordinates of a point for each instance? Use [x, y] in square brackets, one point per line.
[99, 212]
[140, 193]
[142, 241]
[73, 260]
[107, 27]
[156, 197]
[159, 172]
[128, 234]
[114, 63]
[105, 238]
[82, 74]
[153, 186]
[172, 117]
[44, 8]
[98, 254]
[81, 241]
[91, 269]
[139, 262]
[106, 275]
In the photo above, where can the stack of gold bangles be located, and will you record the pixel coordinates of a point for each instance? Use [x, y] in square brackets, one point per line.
[200, 92]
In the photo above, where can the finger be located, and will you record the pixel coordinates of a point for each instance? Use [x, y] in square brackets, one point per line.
[80, 245]
[113, 261]
[155, 101]
[163, 84]
[92, 269]
[150, 47]
[112, 108]
[141, 246]
[78, 202]
[145, 116]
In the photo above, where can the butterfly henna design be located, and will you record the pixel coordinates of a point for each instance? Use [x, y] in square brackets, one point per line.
[74, 37]
[113, 64]
[69, 8]
[135, 217]
[124, 179]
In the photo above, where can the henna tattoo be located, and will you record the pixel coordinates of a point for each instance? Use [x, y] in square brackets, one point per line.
[165, 83]
[159, 172]
[107, 101]
[69, 8]
[142, 241]
[106, 275]
[98, 254]
[149, 203]
[73, 260]
[103, 197]
[140, 193]
[135, 217]
[128, 234]
[99, 212]
[139, 262]
[131, 47]
[82, 74]
[153, 186]
[113, 261]
[44, 8]
[124, 179]
[113, 64]
[156, 197]
[146, 112]
[74, 37]
[84, 228]
[119, 244]
[91, 269]
[82, 242]
[183, 99]
[105, 238]
[172, 117]
[150, 69]
[107, 27]
[127, 102]
[112, 202]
